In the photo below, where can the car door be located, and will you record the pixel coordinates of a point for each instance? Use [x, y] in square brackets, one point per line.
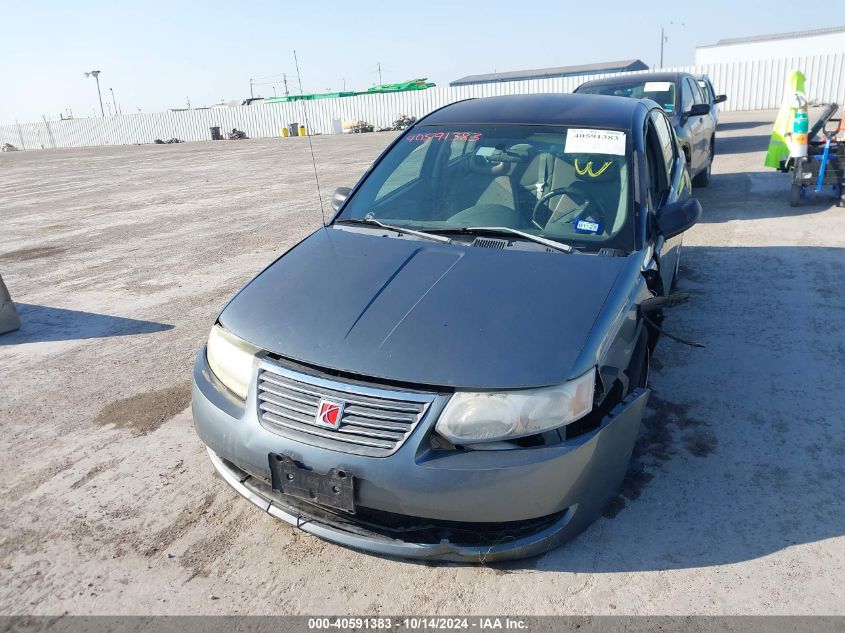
[687, 128]
[701, 126]
[668, 182]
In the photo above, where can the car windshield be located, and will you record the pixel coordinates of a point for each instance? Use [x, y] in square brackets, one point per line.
[662, 92]
[570, 185]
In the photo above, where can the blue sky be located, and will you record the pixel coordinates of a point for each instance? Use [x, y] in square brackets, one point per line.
[156, 54]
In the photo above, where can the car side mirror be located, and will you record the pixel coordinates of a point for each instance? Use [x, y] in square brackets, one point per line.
[339, 197]
[699, 109]
[720, 98]
[676, 217]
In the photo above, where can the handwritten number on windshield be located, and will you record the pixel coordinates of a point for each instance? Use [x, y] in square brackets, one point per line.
[468, 137]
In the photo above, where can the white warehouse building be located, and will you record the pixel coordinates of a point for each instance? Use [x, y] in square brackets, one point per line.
[796, 44]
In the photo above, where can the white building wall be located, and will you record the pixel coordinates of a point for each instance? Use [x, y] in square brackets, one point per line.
[823, 44]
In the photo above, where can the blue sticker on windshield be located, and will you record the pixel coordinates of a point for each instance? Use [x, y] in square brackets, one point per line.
[588, 226]
[668, 107]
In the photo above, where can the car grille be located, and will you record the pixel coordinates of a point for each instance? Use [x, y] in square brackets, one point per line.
[375, 421]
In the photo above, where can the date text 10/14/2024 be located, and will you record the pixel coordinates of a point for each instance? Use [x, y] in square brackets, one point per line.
[420, 623]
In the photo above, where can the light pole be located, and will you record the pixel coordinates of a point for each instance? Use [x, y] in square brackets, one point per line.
[665, 38]
[251, 96]
[114, 101]
[96, 75]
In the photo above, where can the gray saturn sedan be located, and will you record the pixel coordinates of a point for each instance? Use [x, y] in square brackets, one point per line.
[455, 366]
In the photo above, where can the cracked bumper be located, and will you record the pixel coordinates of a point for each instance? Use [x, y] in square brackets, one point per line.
[544, 495]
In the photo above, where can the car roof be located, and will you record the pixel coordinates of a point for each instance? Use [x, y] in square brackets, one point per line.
[541, 109]
[610, 81]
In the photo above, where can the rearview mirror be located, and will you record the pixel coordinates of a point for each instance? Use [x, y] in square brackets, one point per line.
[339, 197]
[720, 98]
[675, 218]
[699, 109]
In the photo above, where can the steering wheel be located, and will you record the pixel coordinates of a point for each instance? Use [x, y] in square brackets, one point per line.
[553, 194]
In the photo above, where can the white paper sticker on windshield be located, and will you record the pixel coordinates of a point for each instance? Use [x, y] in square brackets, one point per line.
[657, 86]
[584, 141]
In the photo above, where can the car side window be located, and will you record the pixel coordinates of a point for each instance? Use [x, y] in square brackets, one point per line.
[408, 171]
[701, 94]
[687, 98]
[460, 148]
[705, 91]
[697, 97]
[666, 137]
[658, 181]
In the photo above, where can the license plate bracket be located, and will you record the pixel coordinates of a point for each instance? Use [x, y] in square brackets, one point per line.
[335, 489]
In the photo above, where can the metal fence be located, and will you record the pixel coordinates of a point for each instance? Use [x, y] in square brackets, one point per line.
[750, 85]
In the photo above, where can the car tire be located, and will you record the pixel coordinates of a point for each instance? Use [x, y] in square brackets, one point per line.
[795, 196]
[702, 179]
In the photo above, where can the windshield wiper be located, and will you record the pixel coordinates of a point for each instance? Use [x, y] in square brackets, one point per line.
[564, 248]
[371, 219]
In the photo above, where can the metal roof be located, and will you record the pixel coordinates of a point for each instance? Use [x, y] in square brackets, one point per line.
[546, 73]
[635, 79]
[776, 36]
[541, 109]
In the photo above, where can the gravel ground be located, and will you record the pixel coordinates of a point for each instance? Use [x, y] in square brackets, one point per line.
[119, 260]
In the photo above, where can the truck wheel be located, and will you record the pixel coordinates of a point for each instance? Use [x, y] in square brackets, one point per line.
[795, 196]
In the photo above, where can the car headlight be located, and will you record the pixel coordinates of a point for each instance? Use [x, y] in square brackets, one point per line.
[230, 358]
[472, 417]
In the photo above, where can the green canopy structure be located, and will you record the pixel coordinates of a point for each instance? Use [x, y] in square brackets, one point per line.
[414, 84]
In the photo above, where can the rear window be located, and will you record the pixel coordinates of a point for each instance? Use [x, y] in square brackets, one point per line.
[662, 92]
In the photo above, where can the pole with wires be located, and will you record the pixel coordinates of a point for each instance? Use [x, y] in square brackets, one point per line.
[662, 42]
[308, 134]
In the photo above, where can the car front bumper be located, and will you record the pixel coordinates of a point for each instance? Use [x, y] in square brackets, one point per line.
[532, 498]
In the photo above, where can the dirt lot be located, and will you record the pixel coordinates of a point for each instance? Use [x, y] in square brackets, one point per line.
[119, 260]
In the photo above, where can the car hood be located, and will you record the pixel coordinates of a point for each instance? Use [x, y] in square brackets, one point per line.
[416, 311]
